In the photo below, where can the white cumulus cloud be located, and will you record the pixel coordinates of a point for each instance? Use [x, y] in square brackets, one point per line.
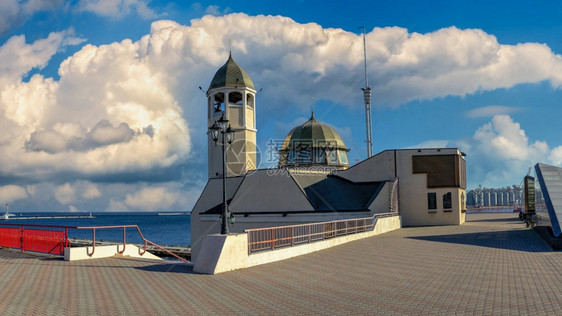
[555, 156]
[90, 191]
[10, 193]
[20, 57]
[111, 112]
[65, 194]
[151, 199]
[76, 192]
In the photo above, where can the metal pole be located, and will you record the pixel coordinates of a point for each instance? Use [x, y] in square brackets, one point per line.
[365, 58]
[224, 223]
[21, 239]
[367, 99]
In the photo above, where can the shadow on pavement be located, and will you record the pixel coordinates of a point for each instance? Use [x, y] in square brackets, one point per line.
[6, 253]
[504, 219]
[168, 267]
[519, 240]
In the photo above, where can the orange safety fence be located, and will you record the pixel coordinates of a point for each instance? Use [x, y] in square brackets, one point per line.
[286, 236]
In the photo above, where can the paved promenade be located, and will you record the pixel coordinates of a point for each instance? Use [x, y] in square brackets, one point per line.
[492, 265]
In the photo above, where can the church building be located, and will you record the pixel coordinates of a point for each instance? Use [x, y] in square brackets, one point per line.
[314, 181]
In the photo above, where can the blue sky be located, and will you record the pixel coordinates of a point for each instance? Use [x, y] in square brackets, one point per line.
[100, 106]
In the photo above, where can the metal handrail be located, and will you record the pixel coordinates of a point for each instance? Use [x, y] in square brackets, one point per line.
[146, 241]
[282, 236]
[336, 221]
[93, 228]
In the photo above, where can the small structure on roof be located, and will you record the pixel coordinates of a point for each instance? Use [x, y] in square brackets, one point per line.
[313, 143]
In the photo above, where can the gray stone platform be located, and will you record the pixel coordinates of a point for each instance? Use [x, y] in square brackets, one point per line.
[490, 265]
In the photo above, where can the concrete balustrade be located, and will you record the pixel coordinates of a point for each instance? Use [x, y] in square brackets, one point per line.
[222, 253]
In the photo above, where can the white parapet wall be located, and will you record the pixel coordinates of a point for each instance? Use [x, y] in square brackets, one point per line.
[81, 253]
[222, 253]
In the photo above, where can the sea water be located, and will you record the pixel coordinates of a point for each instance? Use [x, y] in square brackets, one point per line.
[172, 229]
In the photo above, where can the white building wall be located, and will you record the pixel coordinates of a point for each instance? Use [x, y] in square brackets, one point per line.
[414, 193]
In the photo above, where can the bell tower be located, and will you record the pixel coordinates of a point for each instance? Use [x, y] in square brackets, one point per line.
[232, 96]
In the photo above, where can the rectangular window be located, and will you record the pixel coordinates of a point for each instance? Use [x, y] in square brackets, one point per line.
[319, 156]
[432, 200]
[343, 157]
[447, 203]
[332, 157]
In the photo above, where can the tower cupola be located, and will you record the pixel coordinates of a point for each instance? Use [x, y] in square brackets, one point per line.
[231, 75]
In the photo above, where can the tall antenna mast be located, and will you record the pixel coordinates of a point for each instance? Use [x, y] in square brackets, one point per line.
[367, 99]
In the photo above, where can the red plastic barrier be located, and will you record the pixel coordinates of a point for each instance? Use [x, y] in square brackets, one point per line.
[10, 237]
[38, 240]
[45, 241]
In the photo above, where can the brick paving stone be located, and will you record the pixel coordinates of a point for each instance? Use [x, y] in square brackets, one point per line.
[492, 265]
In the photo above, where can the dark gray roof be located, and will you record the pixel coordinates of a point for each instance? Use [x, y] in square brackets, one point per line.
[262, 191]
[337, 194]
[283, 191]
[211, 197]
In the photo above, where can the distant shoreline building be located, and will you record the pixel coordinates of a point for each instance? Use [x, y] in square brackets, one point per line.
[510, 196]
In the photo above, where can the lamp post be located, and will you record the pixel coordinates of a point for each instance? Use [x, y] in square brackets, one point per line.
[221, 126]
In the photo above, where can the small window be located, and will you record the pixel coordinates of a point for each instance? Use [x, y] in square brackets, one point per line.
[432, 200]
[447, 203]
[332, 156]
[219, 102]
[343, 157]
[319, 156]
[250, 101]
[235, 98]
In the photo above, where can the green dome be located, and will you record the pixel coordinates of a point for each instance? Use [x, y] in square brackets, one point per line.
[232, 75]
[313, 143]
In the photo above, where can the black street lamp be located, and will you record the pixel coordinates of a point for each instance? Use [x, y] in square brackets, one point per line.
[221, 126]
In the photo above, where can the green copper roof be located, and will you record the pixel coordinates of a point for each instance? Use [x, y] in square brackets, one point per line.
[232, 75]
[313, 133]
